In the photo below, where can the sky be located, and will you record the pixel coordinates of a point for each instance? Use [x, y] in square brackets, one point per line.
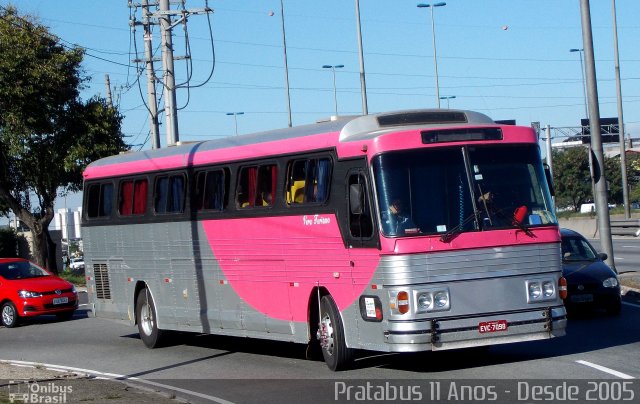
[509, 59]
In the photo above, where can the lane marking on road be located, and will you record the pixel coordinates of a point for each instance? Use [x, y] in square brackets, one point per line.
[631, 304]
[115, 377]
[606, 370]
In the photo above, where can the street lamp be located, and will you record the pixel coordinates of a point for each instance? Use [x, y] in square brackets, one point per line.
[235, 118]
[433, 35]
[333, 69]
[447, 97]
[584, 90]
[286, 64]
[363, 83]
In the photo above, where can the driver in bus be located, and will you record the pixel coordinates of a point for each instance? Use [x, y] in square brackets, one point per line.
[400, 222]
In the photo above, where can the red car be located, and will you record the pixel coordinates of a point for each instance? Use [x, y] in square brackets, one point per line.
[26, 290]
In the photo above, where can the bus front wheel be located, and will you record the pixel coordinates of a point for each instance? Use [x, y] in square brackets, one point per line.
[331, 336]
[147, 320]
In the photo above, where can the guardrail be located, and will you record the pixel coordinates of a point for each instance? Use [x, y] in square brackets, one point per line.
[628, 227]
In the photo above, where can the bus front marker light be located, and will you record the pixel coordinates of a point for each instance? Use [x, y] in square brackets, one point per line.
[425, 301]
[403, 302]
[547, 289]
[442, 300]
[534, 290]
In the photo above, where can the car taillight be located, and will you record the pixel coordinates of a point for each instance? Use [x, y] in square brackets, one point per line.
[562, 287]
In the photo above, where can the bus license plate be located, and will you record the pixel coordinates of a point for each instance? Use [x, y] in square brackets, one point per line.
[493, 326]
[60, 300]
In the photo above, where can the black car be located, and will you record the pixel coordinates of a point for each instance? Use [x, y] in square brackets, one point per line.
[591, 283]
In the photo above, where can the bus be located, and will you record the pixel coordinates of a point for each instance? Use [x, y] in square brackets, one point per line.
[404, 231]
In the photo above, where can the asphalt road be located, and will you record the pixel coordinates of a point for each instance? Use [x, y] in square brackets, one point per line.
[626, 251]
[597, 349]
[599, 356]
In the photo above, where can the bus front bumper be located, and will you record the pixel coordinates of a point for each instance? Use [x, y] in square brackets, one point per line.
[497, 328]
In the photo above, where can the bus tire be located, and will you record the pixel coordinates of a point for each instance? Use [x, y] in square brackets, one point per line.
[147, 320]
[336, 354]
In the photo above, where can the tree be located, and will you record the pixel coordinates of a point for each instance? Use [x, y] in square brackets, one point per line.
[47, 133]
[572, 180]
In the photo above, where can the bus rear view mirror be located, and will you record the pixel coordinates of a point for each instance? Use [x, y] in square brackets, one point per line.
[356, 199]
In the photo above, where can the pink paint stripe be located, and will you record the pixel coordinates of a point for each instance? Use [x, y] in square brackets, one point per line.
[470, 240]
[320, 141]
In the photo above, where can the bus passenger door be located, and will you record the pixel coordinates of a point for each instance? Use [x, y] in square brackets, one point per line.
[361, 234]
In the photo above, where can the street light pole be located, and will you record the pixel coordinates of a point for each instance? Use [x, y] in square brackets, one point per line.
[447, 97]
[286, 63]
[335, 95]
[433, 36]
[584, 85]
[363, 83]
[623, 155]
[235, 118]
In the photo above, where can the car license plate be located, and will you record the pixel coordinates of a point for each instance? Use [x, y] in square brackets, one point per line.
[60, 300]
[582, 298]
[493, 326]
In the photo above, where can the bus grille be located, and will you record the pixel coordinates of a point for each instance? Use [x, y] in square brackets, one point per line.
[101, 276]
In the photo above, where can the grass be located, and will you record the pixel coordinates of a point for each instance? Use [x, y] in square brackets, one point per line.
[76, 279]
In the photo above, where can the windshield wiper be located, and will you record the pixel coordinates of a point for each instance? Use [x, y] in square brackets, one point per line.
[456, 231]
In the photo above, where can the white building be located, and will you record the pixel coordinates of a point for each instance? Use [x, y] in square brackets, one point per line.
[68, 222]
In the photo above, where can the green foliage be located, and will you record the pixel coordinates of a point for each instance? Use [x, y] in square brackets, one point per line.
[47, 133]
[571, 177]
[573, 182]
[8, 243]
[76, 279]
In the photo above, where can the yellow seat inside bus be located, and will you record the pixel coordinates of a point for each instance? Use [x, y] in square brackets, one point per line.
[296, 194]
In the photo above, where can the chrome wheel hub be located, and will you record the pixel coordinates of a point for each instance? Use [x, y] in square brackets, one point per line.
[325, 334]
[146, 319]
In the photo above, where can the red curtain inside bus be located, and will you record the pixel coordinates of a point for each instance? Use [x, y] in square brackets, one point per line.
[126, 198]
[140, 197]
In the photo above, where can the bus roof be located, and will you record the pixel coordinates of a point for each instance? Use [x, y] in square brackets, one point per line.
[327, 134]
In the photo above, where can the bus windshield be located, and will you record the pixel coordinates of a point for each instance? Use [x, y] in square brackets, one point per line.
[448, 191]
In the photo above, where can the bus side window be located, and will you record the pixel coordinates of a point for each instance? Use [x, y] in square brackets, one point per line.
[210, 190]
[360, 219]
[99, 203]
[133, 197]
[256, 186]
[308, 181]
[169, 194]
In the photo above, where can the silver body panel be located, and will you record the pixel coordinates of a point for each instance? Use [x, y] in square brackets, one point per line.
[192, 294]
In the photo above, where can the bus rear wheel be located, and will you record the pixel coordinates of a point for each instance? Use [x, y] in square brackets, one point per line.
[336, 354]
[147, 320]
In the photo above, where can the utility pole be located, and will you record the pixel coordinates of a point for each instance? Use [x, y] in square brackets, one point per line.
[597, 169]
[170, 108]
[549, 150]
[107, 84]
[152, 102]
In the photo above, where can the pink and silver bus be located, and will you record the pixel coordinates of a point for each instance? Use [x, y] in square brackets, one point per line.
[396, 232]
